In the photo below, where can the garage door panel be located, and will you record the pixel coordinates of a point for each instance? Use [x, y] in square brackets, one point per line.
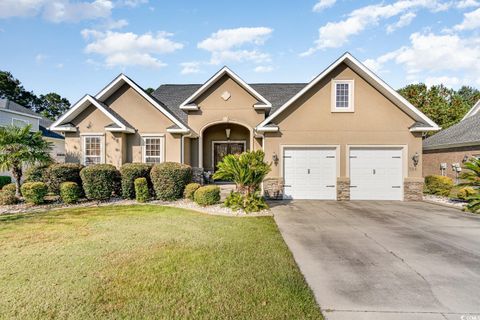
[310, 173]
[376, 174]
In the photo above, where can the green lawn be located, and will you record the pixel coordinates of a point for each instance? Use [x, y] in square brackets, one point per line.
[147, 262]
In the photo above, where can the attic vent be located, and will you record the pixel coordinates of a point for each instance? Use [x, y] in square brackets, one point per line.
[226, 95]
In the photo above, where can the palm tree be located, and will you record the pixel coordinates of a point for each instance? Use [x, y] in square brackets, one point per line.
[472, 179]
[19, 147]
[247, 170]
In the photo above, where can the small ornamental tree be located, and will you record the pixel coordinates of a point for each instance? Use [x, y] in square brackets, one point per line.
[20, 147]
[472, 179]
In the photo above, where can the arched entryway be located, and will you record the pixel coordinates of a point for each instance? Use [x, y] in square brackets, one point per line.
[220, 139]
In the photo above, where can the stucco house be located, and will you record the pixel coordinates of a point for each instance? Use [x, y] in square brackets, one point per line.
[445, 152]
[344, 135]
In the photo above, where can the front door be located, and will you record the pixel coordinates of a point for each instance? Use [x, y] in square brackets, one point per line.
[221, 149]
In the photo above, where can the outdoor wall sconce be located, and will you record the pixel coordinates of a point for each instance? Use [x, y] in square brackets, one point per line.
[465, 158]
[416, 159]
[227, 132]
[275, 158]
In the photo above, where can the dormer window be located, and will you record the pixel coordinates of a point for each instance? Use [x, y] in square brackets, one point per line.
[342, 96]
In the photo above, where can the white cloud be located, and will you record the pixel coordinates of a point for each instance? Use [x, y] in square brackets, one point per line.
[323, 4]
[336, 34]
[127, 49]
[57, 10]
[190, 67]
[224, 45]
[39, 58]
[435, 57]
[471, 20]
[263, 69]
[445, 80]
[115, 24]
[404, 21]
[133, 3]
[59, 65]
[467, 4]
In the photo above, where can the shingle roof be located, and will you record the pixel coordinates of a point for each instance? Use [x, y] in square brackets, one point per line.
[172, 95]
[44, 123]
[466, 132]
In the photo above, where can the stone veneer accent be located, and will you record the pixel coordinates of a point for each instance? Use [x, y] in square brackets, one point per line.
[273, 188]
[413, 189]
[197, 175]
[343, 188]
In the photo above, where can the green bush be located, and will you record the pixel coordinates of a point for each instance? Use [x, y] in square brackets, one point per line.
[34, 192]
[11, 188]
[254, 202]
[130, 172]
[169, 180]
[63, 172]
[100, 181]
[466, 192]
[37, 173]
[190, 190]
[4, 180]
[142, 193]
[207, 195]
[70, 192]
[438, 185]
[7, 198]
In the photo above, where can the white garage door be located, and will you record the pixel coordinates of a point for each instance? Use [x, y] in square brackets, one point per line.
[310, 173]
[376, 174]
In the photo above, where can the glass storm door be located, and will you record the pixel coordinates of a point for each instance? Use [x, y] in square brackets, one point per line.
[221, 149]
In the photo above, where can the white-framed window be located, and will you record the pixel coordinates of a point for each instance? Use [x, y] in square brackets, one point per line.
[153, 148]
[92, 149]
[342, 96]
[19, 122]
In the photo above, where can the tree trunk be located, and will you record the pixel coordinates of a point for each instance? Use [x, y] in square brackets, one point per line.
[17, 175]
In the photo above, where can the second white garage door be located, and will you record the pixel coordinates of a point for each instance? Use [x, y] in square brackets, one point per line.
[310, 173]
[376, 174]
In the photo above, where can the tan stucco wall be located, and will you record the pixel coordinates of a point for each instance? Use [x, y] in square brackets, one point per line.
[123, 147]
[432, 159]
[238, 108]
[375, 121]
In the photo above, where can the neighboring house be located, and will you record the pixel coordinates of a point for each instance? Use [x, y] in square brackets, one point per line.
[12, 113]
[450, 148]
[344, 135]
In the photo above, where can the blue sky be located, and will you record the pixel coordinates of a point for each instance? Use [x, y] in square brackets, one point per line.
[77, 47]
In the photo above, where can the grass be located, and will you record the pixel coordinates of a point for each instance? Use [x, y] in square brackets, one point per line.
[147, 262]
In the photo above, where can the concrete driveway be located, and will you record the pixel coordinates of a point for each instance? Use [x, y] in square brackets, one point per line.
[386, 260]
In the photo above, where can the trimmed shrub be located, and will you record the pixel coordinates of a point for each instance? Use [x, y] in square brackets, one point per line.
[169, 180]
[438, 185]
[38, 173]
[7, 198]
[253, 202]
[11, 188]
[207, 195]
[70, 192]
[130, 172]
[100, 181]
[466, 192]
[34, 192]
[190, 190]
[63, 172]
[4, 180]
[142, 193]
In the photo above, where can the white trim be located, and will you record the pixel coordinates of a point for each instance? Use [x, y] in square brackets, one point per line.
[370, 77]
[423, 129]
[189, 107]
[21, 113]
[102, 146]
[473, 110]
[115, 84]
[244, 142]
[214, 78]
[175, 130]
[129, 130]
[351, 96]
[257, 106]
[21, 120]
[152, 135]
[268, 129]
[92, 134]
[78, 107]
[162, 146]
